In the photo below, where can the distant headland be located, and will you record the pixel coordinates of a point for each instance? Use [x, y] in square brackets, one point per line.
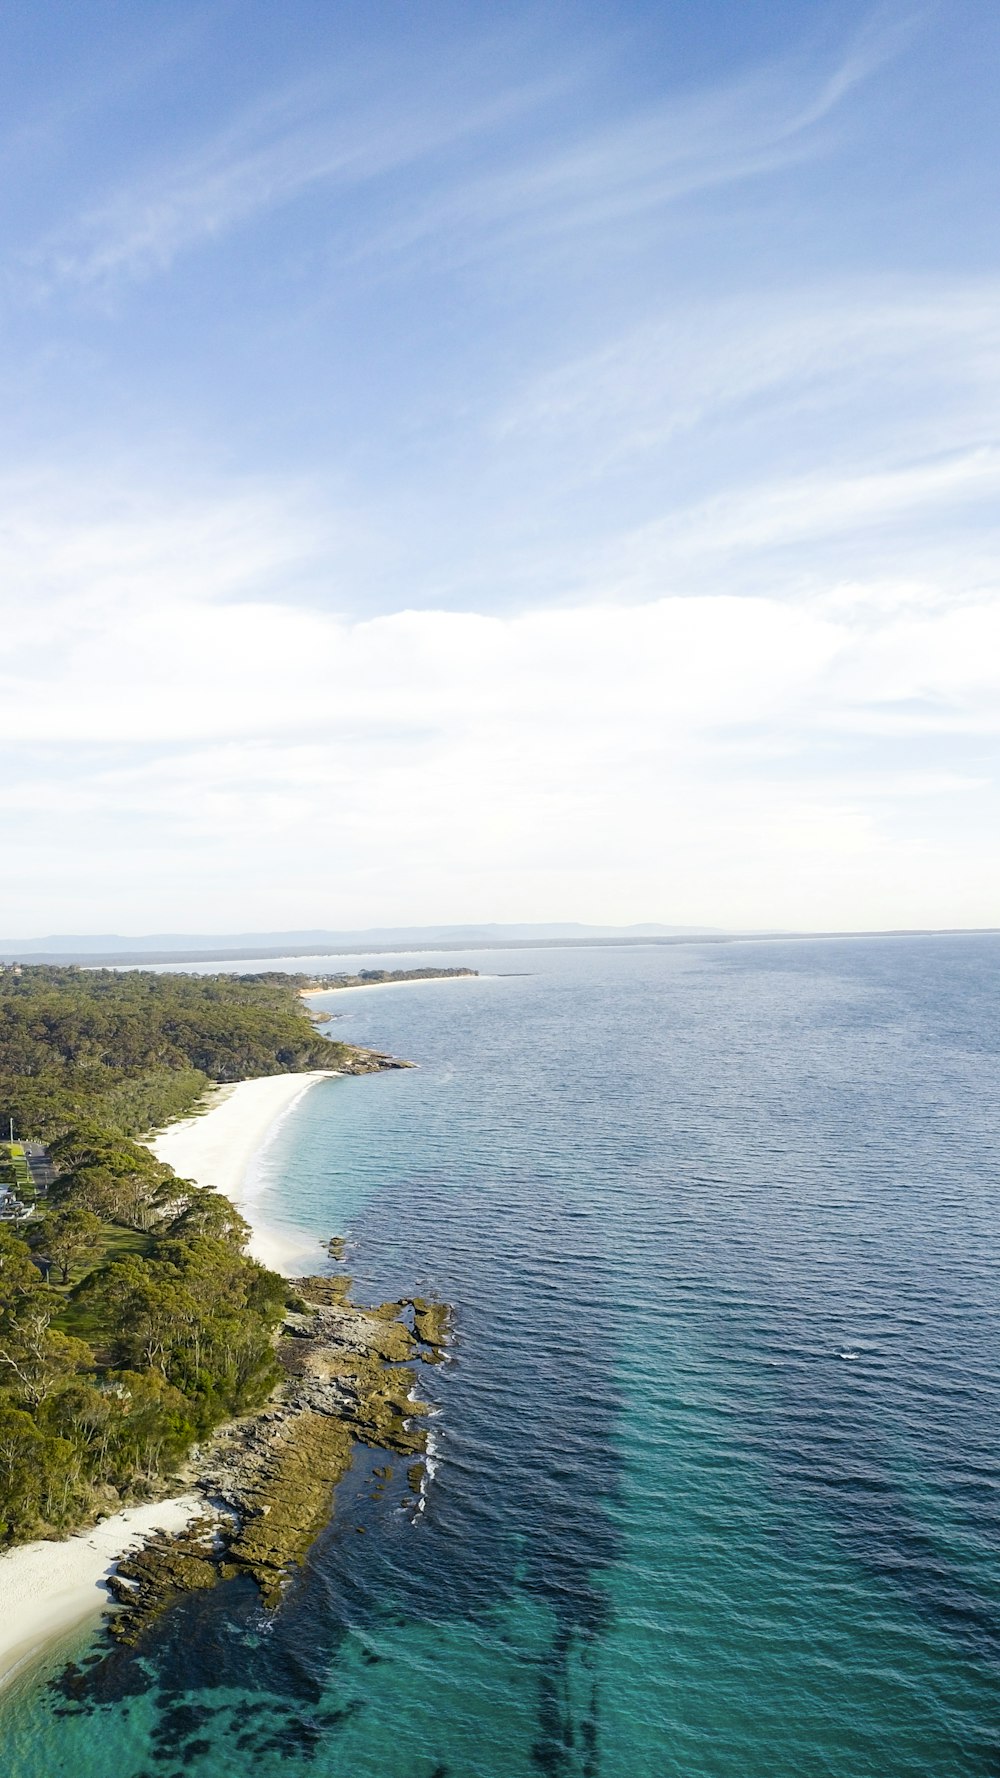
[380, 978]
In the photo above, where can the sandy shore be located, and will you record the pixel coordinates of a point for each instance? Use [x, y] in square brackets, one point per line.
[218, 1146]
[49, 1589]
[425, 981]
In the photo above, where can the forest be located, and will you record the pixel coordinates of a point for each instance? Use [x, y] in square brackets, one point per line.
[131, 1320]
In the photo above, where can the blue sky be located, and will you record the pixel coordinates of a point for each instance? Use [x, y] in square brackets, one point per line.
[499, 462]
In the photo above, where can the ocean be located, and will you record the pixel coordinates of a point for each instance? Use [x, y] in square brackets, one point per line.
[716, 1460]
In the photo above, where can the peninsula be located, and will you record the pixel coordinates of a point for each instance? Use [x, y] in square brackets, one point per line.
[382, 978]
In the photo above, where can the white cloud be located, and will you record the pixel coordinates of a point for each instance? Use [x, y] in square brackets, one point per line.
[816, 507]
[725, 643]
[210, 755]
[787, 446]
[858, 347]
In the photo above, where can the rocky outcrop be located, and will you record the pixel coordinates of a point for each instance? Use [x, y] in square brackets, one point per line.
[431, 1324]
[360, 1061]
[149, 1581]
[269, 1479]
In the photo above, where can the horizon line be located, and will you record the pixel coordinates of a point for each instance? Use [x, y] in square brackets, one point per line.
[259, 953]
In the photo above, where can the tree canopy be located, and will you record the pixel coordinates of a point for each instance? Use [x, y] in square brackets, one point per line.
[130, 1049]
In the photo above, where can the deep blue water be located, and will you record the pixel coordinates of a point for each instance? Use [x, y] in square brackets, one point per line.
[717, 1484]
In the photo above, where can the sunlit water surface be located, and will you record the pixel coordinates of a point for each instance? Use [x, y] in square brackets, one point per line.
[717, 1463]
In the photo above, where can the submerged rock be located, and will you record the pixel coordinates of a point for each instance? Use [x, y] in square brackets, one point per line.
[152, 1579]
[431, 1323]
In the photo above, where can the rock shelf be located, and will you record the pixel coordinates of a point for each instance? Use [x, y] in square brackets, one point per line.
[269, 1479]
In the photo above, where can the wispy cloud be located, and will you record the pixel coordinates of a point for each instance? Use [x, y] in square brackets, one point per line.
[779, 513]
[265, 158]
[618, 171]
[791, 438]
[310, 137]
[845, 343]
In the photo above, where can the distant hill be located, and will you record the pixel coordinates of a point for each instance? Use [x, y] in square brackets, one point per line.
[116, 947]
[228, 947]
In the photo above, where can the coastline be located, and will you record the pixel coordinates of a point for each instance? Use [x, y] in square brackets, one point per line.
[218, 1146]
[48, 1589]
[51, 1587]
[423, 981]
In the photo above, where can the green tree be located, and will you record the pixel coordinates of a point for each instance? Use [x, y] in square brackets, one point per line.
[22, 1449]
[142, 1309]
[69, 1237]
[152, 1423]
[207, 1212]
[19, 1275]
[38, 1476]
[36, 1358]
[182, 1334]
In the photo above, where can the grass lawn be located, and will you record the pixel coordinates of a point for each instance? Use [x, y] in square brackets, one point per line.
[116, 1243]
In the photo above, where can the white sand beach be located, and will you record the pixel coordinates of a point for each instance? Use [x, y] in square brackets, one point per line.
[425, 981]
[218, 1146]
[49, 1589]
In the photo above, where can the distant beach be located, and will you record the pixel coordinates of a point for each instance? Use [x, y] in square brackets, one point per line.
[422, 981]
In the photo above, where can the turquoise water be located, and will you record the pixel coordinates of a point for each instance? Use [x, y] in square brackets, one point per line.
[717, 1484]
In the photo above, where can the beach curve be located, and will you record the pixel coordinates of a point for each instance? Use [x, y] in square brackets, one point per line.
[217, 1146]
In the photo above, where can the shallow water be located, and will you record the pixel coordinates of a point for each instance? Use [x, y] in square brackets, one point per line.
[717, 1485]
